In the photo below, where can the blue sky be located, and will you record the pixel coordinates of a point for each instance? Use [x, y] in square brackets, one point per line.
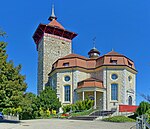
[123, 25]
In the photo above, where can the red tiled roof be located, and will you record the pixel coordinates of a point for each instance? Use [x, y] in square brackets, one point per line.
[56, 24]
[111, 59]
[90, 82]
[72, 55]
[113, 53]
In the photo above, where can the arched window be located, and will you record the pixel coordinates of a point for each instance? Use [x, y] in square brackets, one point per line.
[114, 91]
[130, 100]
[67, 93]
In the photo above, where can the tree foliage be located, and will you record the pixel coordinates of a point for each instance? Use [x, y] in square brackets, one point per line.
[143, 107]
[48, 99]
[14, 100]
[12, 83]
[29, 106]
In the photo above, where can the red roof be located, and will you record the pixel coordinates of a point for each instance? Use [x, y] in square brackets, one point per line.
[72, 55]
[113, 53]
[55, 23]
[90, 82]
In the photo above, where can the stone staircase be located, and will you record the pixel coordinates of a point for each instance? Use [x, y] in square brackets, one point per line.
[102, 113]
[93, 115]
[88, 118]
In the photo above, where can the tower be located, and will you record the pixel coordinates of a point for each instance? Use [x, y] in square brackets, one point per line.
[53, 41]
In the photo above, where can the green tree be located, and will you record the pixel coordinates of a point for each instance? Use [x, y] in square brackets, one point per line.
[29, 106]
[12, 85]
[48, 99]
[143, 107]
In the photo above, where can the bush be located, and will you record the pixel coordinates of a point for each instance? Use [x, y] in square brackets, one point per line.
[79, 106]
[148, 114]
[119, 119]
[143, 107]
[66, 108]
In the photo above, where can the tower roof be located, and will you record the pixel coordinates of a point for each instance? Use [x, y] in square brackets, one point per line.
[54, 28]
[55, 23]
[53, 20]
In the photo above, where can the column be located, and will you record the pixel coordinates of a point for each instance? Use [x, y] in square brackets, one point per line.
[82, 95]
[95, 99]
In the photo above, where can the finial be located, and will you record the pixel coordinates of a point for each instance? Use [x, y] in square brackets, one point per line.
[94, 40]
[52, 17]
[112, 49]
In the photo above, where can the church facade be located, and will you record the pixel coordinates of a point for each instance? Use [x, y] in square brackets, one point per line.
[109, 80]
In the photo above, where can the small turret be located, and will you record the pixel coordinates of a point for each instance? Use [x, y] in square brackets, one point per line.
[94, 53]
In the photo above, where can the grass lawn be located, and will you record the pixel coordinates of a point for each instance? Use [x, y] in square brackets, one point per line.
[119, 119]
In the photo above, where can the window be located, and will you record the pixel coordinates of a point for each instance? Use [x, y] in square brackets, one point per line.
[67, 93]
[114, 91]
[66, 64]
[130, 100]
[129, 78]
[114, 76]
[129, 63]
[113, 61]
[67, 78]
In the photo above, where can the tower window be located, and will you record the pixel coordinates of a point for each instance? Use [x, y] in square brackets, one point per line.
[114, 91]
[66, 64]
[67, 93]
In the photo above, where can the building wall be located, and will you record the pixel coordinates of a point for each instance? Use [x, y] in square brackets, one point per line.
[50, 48]
[123, 86]
[75, 77]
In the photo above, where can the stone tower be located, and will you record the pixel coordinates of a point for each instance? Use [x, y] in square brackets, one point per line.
[53, 41]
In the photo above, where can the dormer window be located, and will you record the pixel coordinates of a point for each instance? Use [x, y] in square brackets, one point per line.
[129, 63]
[66, 64]
[113, 61]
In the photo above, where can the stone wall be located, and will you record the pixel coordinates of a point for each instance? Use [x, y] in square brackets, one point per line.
[50, 48]
[75, 77]
[124, 86]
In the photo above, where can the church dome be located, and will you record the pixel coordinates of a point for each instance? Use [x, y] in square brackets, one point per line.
[93, 53]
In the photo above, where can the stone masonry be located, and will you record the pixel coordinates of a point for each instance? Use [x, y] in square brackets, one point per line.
[50, 48]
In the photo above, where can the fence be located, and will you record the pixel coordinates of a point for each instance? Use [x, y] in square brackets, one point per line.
[11, 117]
[141, 122]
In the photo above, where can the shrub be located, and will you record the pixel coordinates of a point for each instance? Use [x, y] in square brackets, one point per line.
[148, 114]
[143, 107]
[79, 106]
[119, 119]
[66, 108]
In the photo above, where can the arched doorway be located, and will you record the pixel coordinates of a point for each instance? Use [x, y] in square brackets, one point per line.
[130, 100]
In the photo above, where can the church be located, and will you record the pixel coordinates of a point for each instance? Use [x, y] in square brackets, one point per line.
[109, 79]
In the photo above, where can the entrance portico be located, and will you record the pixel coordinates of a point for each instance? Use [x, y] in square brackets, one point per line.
[93, 89]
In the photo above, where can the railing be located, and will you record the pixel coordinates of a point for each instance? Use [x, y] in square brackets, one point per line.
[141, 122]
[11, 117]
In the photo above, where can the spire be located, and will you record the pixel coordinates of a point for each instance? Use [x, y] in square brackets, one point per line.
[94, 41]
[52, 17]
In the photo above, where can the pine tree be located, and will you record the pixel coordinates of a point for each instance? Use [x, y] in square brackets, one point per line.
[12, 83]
